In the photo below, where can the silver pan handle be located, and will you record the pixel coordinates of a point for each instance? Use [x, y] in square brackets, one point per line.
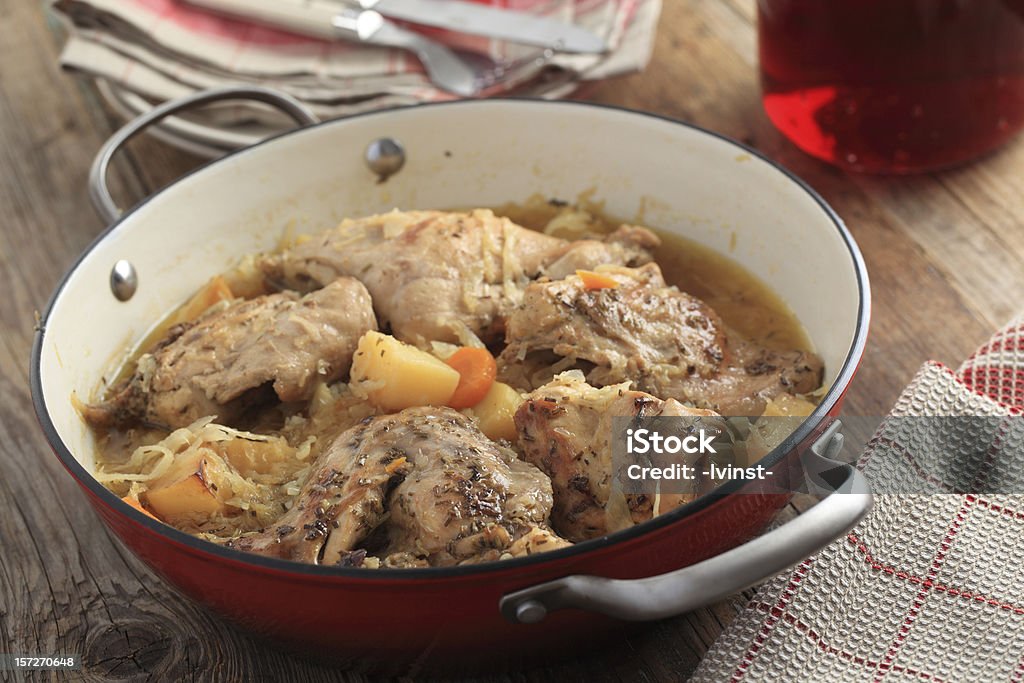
[713, 579]
[98, 190]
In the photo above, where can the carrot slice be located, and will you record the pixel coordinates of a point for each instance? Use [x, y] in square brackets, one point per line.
[134, 502]
[214, 291]
[394, 465]
[592, 280]
[477, 370]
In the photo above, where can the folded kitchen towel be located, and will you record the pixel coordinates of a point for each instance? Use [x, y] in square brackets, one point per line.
[163, 49]
[930, 586]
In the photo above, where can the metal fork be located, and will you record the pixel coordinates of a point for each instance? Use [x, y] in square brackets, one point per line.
[332, 21]
[444, 68]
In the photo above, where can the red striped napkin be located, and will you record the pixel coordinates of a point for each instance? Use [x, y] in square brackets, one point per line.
[165, 49]
[930, 587]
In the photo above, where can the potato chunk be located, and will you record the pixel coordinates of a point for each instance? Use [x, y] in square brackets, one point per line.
[495, 413]
[185, 492]
[785, 405]
[213, 292]
[396, 376]
[184, 499]
[250, 457]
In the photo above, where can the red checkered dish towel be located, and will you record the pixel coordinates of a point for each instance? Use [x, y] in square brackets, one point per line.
[927, 588]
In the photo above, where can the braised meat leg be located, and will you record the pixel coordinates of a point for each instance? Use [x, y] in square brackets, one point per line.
[442, 276]
[565, 429]
[664, 341]
[210, 366]
[424, 486]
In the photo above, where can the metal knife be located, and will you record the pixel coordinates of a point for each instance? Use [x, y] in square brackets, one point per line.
[325, 20]
[454, 15]
[493, 22]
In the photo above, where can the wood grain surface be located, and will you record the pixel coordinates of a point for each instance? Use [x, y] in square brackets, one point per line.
[945, 254]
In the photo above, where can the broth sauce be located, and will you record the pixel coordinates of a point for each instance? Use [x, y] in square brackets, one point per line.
[743, 301]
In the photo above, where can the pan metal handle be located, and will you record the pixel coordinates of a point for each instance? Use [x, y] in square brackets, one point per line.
[98, 190]
[686, 589]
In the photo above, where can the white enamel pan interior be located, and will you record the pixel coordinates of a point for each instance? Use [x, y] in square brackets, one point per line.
[655, 171]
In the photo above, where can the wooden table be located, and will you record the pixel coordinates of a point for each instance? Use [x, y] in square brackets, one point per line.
[945, 252]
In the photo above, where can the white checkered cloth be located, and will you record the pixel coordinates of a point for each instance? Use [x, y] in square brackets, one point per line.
[930, 587]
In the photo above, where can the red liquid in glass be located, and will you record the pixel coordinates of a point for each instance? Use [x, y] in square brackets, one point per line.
[893, 86]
